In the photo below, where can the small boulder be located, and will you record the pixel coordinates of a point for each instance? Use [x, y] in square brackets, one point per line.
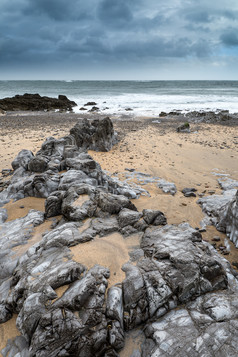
[90, 104]
[128, 217]
[22, 159]
[37, 164]
[184, 128]
[154, 217]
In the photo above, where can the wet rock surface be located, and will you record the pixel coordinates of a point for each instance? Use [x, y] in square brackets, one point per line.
[210, 322]
[36, 102]
[176, 287]
[167, 187]
[222, 210]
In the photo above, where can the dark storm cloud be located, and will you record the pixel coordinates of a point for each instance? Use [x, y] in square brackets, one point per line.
[230, 37]
[58, 10]
[115, 12]
[45, 32]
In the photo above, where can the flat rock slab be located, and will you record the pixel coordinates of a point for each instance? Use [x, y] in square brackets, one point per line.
[206, 327]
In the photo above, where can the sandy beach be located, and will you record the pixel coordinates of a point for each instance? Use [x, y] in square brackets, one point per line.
[149, 146]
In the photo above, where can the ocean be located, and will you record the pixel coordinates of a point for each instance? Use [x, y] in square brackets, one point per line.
[147, 98]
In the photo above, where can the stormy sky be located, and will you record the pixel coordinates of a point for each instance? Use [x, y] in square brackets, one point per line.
[119, 39]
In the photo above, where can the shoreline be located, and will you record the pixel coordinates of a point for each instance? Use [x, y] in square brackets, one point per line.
[155, 149]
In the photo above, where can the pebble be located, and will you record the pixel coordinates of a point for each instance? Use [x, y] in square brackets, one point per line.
[216, 239]
[235, 264]
[190, 194]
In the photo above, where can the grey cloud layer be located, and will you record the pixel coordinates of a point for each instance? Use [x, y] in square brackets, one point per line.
[41, 32]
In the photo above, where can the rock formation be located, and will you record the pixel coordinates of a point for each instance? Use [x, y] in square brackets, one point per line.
[35, 102]
[176, 287]
[222, 210]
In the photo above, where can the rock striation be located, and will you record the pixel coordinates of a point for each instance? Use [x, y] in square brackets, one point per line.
[35, 102]
[176, 287]
[222, 210]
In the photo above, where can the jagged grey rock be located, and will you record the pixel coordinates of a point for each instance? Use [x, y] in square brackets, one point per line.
[163, 279]
[114, 203]
[83, 162]
[3, 215]
[78, 203]
[128, 217]
[53, 147]
[104, 226]
[222, 211]
[53, 204]
[205, 327]
[96, 135]
[154, 217]
[42, 185]
[215, 205]
[228, 183]
[22, 159]
[17, 347]
[228, 220]
[71, 178]
[38, 164]
[87, 331]
[167, 187]
[30, 314]
[66, 235]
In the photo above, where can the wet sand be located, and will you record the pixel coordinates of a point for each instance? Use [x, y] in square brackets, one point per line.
[8, 330]
[21, 207]
[188, 160]
[111, 251]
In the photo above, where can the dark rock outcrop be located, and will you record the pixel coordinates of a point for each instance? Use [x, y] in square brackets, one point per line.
[96, 135]
[184, 128]
[35, 102]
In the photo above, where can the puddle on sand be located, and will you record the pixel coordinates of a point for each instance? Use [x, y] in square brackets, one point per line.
[133, 341]
[8, 330]
[21, 207]
[111, 251]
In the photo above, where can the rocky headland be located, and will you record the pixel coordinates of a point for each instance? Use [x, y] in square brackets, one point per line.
[108, 254]
[35, 102]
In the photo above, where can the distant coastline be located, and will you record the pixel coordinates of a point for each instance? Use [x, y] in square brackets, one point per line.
[144, 97]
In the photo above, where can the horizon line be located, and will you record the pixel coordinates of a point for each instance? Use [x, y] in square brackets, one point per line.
[122, 80]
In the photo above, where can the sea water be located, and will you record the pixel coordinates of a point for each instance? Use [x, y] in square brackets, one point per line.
[147, 98]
